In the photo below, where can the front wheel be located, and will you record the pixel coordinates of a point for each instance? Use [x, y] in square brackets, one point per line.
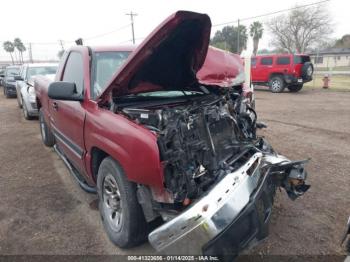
[295, 88]
[276, 84]
[25, 111]
[6, 93]
[121, 214]
[46, 134]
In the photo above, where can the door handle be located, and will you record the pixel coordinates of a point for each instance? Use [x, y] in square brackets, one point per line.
[55, 106]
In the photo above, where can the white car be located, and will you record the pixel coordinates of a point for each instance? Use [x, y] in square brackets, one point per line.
[25, 86]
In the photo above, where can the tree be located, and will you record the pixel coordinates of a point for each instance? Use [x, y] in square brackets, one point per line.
[9, 47]
[343, 42]
[300, 29]
[18, 44]
[256, 32]
[227, 38]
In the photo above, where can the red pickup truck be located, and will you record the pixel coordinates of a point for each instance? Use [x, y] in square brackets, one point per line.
[165, 134]
[279, 71]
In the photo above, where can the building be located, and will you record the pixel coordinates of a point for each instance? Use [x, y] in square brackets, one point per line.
[331, 58]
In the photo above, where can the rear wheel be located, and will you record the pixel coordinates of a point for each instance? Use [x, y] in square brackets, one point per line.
[276, 84]
[121, 214]
[295, 88]
[46, 134]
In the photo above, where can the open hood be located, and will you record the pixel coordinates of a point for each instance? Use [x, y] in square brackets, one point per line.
[167, 59]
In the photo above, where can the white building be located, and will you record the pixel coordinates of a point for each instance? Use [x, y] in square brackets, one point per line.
[331, 58]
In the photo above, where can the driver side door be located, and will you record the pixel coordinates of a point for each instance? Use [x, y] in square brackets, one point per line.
[68, 117]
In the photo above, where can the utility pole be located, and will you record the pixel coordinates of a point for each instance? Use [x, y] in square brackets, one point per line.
[30, 53]
[238, 35]
[131, 14]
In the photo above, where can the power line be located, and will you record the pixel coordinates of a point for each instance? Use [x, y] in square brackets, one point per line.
[107, 33]
[271, 13]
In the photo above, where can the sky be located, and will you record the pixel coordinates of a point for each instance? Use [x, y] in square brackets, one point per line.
[104, 22]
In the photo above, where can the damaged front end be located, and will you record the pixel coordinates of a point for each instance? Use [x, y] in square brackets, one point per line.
[221, 176]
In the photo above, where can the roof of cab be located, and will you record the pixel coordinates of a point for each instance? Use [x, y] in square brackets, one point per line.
[121, 48]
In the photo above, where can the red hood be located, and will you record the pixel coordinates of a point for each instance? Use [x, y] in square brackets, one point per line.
[220, 68]
[168, 58]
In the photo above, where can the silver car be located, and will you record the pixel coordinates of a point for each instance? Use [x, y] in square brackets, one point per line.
[25, 86]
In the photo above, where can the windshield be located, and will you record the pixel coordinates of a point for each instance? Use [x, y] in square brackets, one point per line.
[12, 71]
[42, 70]
[104, 65]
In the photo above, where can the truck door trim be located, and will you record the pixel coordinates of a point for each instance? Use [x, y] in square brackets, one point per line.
[74, 148]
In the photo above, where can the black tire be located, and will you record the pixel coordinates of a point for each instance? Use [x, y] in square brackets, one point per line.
[295, 88]
[19, 98]
[129, 227]
[46, 135]
[25, 112]
[276, 84]
[307, 71]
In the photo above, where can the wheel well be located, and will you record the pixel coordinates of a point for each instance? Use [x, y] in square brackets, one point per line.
[276, 74]
[97, 155]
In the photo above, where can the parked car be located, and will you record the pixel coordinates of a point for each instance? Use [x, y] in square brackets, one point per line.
[2, 75]
[281, 71]
[9, 82]
[25, 86]
[158, 143]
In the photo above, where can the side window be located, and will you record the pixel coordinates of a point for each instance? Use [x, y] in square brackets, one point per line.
[253, 61]
[74, 72]
[266, 61]
[283, 60]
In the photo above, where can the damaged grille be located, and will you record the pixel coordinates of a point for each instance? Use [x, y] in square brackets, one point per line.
[199, 143]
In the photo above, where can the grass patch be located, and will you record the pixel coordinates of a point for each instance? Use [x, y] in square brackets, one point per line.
[338, 82]
[339, 68]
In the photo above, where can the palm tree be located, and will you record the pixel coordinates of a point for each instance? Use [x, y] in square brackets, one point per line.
[9, 47]
[256, 32]
[20, 47]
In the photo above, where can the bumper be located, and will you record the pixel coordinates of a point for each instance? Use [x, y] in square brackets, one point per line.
[290, 79]
[11, 89]
[235, 212]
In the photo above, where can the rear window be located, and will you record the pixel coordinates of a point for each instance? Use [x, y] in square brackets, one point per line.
[301, 59]
[283, 60]
[266, 61]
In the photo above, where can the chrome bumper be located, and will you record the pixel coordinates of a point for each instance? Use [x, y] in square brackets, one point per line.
[190, 231]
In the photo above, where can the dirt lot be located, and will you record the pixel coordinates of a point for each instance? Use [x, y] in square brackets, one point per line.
[43, 211]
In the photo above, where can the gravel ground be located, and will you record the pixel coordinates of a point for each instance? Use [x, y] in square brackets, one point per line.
[43, 210]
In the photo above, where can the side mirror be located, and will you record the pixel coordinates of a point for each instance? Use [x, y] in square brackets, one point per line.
[64, 91]
[18, 78]
[2, 75]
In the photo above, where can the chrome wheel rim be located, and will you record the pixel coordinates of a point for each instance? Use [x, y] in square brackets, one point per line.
[112, 207]
[309, 71]
[276, 85]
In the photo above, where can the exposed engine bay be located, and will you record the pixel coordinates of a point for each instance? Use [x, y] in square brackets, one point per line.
[202, 138]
